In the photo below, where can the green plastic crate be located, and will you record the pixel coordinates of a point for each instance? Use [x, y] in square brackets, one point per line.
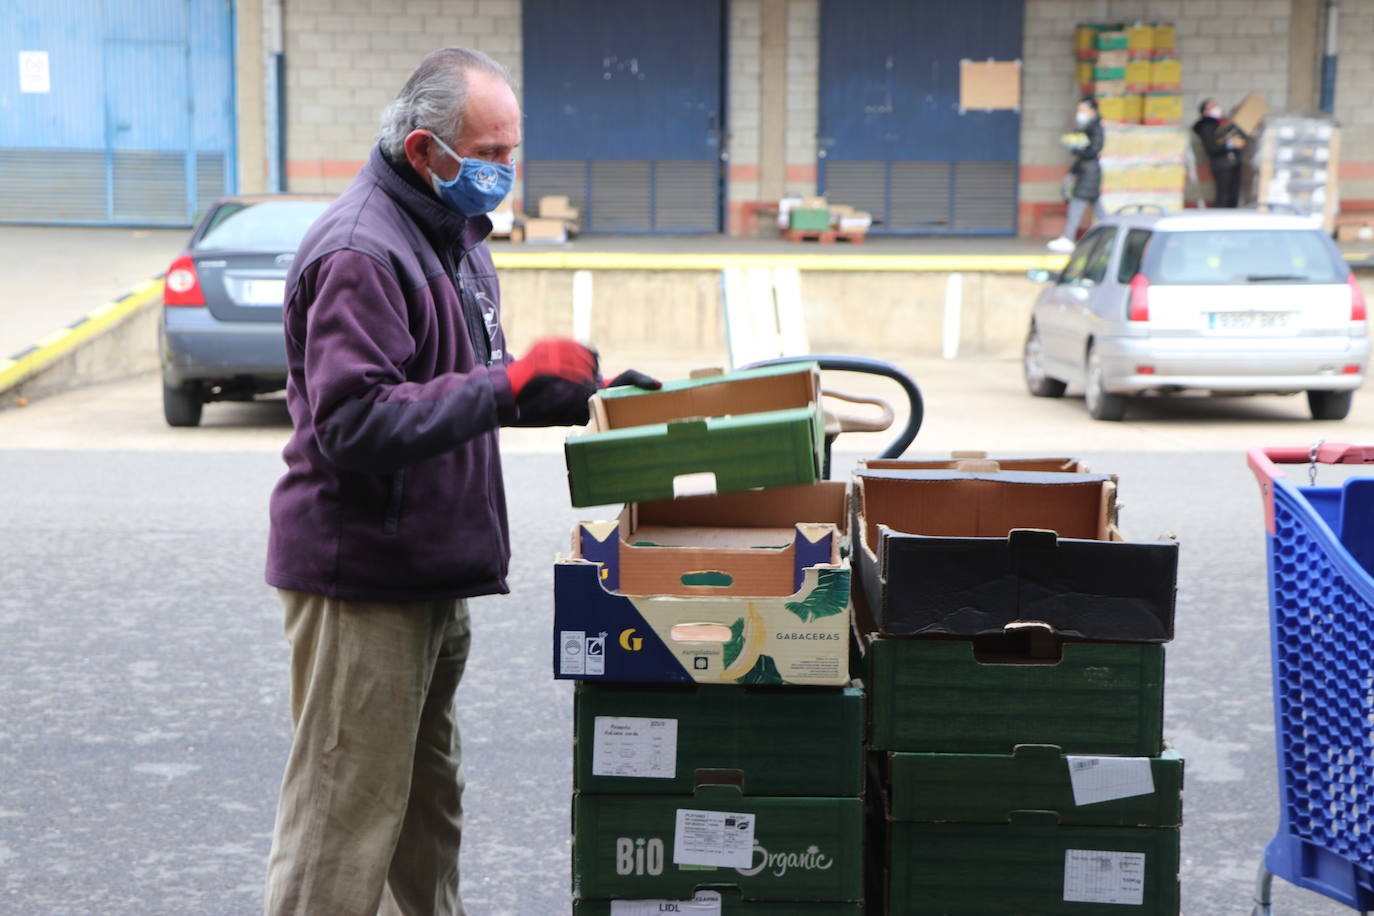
[752, 428]
[795, 741]
[994, 870]
[803, 849]
[996, 788]
[808, 220]
[933, 696]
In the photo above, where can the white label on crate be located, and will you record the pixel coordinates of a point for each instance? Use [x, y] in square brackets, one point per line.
[641, 748]
[1104, 779]
[704, 903]
[572, 652]
[720, 838]
[1101, 876]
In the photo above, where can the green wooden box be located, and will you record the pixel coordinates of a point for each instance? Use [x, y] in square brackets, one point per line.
[803, 848]
[769, 741]
[723, 433]
[712, 903]
[1046, 870]
[809, 220]
[935, 696]
[1000, 788]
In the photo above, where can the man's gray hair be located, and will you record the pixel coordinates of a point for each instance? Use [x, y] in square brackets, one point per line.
[435, 97]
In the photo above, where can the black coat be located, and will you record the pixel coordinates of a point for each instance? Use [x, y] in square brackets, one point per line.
[1214, 137]
[1087, 171]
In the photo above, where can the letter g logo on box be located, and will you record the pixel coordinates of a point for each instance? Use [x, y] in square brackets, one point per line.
[629, 642]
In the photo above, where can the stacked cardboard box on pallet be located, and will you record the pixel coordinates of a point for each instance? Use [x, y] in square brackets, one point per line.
[1145, 166]
[1295, 162]
[718, 744]
[1131, 70]
[1012, 643]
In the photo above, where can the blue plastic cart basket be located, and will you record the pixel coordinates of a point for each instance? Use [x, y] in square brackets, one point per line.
[1321, 607]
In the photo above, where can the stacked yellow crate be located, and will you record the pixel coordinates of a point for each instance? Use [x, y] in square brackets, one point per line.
[1131, 70]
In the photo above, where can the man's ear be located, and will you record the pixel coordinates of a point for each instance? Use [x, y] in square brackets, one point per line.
[417, 146]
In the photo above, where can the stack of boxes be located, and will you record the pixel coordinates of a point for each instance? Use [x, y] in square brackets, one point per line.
[1145, 166]
[1295, 161]
[718, 744]
[1131, 70]
[1012, 643]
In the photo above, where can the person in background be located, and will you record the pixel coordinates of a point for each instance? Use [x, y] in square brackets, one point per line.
[1083, 184]
[1222, 144]
[392, 510]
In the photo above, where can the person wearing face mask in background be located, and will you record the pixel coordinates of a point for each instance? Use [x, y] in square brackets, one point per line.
[1222, 144]
[392, 510]
[1083, 184]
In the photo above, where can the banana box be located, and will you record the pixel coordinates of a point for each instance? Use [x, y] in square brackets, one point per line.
[642, 602]
[715, 903]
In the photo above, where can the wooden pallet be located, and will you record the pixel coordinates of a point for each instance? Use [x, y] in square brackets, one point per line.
[824, 236]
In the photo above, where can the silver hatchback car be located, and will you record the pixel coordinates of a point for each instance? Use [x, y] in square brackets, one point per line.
[1233, 302]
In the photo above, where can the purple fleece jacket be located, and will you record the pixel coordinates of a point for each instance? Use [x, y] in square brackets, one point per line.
[397, 386]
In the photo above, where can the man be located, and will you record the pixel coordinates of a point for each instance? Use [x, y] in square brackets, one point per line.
[392, 510]
[1083, 184]
[1222, 144]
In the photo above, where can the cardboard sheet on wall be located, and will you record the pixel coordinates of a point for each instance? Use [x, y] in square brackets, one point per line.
[989, 84]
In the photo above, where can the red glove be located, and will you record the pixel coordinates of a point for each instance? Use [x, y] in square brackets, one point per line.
[554, 357]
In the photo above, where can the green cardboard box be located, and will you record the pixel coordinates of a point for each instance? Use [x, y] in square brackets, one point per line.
[716, 434]
[809, 220]
[648, 847]
[714, 903]
[999, 788]
[1047, 870]
[936, 696]
[652, 740]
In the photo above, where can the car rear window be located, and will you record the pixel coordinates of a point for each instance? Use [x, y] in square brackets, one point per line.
[1230, 257]
[1131, 254]
[274, 225]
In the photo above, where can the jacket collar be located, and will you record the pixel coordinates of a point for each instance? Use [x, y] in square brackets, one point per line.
[446, 227]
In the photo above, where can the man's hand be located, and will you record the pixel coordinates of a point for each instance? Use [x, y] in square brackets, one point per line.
[553, 358]
[636, 378]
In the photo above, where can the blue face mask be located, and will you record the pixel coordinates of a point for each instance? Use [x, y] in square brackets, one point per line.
[479, 187]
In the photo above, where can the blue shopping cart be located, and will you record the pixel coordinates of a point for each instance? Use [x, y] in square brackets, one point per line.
[1321, 608]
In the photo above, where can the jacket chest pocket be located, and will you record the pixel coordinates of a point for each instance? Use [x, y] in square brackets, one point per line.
[395, 502]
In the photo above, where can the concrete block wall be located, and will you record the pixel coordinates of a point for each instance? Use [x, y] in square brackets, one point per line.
[803, 89]
[744, 110]
[1355, 105]
[1227, 48]
[346, 60]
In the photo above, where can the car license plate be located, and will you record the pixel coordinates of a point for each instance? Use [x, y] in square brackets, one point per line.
[263, 292]
[1248, 321]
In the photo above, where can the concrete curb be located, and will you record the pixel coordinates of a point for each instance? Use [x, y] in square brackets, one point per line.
[603, 260]
[52, 349]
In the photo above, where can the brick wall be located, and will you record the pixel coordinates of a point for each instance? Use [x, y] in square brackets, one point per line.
[1227, 48]
[346, 59]
[1355, 105]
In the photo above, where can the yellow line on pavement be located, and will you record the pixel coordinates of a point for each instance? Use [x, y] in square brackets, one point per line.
[59, 343]
[605, 260]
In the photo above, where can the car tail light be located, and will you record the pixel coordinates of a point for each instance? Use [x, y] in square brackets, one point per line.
[1351, 370]
[1140, 299]
[1357, 309]
[181, 286]
[1144, 370]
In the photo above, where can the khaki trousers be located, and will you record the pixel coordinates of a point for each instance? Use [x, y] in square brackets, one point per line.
[371, 813]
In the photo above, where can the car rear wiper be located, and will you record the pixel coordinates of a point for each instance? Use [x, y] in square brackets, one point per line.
[1262, 278]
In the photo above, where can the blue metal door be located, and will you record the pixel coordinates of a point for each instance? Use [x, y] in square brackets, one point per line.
[893, 140]
[623, 111]
[135, 124]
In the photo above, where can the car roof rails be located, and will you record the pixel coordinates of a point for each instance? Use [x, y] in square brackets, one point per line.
[1140, 208]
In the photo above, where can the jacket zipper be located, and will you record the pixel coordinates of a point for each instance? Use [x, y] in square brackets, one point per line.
[477, 329]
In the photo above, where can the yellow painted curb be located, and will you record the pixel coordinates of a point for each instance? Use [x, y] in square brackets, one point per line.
[593, 260]
[61, 342]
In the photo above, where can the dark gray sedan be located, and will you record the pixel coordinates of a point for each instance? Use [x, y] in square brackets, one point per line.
[221, 328]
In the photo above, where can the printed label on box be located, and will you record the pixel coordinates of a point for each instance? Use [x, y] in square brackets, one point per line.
[1101, 876]
[572, 652]
[1103, 779]
[704, 903]
[635, 747]
[720, 838]
[596, 655]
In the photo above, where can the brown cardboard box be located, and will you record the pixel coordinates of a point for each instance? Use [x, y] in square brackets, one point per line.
[538, 229]
[1250, 112]
[556, 206]
[1355, 232]
[813, 203]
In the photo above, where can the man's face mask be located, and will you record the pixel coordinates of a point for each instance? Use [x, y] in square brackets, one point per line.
[479, 187]
[1084, 118]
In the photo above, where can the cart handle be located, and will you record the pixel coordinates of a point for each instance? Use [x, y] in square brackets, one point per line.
[1264, 465]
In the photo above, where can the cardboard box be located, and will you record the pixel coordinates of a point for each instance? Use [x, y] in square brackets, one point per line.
[814, 203]
[715, 903]
[1000, 788]
[1132, 108]
[1083, 73]
[1140, 40]
[955, 696]
[1111, 108]
[1042, 869]
[1116, 40]
[1165, 40]
[1085, 42]
[545, 230]
[752, 428]
[557, 206]
[1110, 78]
[720, 615]
[858, 221]
[1166, 76]
[1163, 109]
[968, 554]
[640, 740]
[750, 518]
[1249, 114]
[1355, 232]
[976, 462]
[626, 846]
[1138, 76]
[809, 220]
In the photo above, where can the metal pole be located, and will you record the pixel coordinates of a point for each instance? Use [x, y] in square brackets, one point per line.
[1333, 33]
